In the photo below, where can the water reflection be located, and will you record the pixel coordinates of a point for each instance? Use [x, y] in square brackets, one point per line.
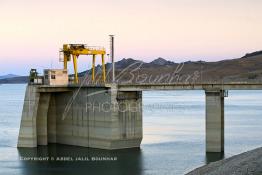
[212, 157]
[129, 161]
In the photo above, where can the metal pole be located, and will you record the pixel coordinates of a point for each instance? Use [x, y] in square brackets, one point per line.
[112, 57]
[201, 72]
[93, 68]
[103, 68]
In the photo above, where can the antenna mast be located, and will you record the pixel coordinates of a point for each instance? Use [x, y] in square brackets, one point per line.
[112, 57]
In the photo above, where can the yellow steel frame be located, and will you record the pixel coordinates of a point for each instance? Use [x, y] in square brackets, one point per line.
[75, 50]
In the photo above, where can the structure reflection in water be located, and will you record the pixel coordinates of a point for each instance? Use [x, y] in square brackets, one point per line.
[99, 161]
[212, 157]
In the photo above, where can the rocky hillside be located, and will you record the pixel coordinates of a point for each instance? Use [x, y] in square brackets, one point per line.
[245, 69]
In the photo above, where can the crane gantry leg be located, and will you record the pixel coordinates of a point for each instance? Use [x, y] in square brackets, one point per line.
[65, 47]
[93, 67]
[65, 63]
[103, 68]
[75, 68]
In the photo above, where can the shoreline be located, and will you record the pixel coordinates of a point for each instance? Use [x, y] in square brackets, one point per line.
[249, 162]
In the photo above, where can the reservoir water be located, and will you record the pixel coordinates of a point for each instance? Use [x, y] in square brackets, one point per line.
[173, 143]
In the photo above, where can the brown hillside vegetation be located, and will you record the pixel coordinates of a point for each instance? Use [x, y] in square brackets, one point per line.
[245, 69]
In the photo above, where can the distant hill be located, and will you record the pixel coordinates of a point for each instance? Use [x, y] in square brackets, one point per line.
[245, 69]
[14, 80]
[161, 62]
[8, 76]
[257, 53]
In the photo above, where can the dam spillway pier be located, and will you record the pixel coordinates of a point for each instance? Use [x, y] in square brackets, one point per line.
[215, 120]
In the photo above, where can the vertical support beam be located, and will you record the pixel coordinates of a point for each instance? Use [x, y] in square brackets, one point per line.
[65, 47]
[103, 68]
[75, 68]
[93, 67]
[214, 120]
[65, 62]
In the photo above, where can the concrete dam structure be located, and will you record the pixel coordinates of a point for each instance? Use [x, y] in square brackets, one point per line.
[96, 117]
[108, 116]
[105, 116]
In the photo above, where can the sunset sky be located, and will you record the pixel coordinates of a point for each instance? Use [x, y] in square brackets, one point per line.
[32, 31]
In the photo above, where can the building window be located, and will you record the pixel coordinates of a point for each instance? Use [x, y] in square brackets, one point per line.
[52, 76]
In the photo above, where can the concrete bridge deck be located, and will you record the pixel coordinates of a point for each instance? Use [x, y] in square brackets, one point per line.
[149, 87]
[187, 86]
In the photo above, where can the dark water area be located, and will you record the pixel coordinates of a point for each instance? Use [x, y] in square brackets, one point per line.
[79, 160]
[173, 143]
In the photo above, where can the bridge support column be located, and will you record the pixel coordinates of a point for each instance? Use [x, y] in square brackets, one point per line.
[214, 120]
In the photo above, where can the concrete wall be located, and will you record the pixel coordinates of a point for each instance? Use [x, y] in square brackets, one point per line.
[90, 117]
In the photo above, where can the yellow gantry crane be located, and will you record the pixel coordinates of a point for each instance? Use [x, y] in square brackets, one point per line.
[74, 50]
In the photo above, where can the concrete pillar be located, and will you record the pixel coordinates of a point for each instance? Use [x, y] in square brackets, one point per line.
[130, 127]
[27, 133]
[214, 121]
[41, 119]
[51, 120]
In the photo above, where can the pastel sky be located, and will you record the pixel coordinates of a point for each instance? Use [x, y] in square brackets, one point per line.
[32, 31]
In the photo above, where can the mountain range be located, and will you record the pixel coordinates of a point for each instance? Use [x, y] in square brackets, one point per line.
[245, 69]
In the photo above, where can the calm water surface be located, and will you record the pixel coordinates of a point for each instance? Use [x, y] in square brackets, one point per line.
[174, 136]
